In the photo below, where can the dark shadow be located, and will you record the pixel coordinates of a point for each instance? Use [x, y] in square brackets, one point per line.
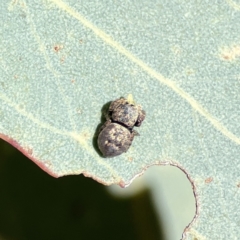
[104, 111]
[36, 206]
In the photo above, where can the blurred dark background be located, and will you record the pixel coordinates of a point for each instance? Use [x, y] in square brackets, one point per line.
[36, 206]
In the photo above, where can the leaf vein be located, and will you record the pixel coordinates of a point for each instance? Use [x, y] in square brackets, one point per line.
[114, 44]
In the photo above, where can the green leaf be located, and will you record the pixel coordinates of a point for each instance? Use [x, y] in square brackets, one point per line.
[61, 62]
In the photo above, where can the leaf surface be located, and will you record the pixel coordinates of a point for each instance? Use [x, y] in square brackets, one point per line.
[61, 62]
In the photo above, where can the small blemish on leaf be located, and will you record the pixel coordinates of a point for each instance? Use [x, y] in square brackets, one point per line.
[62, 59]
[79, 111]
[230, 53]
[176, 50]
[58, 47]
[47, 164]
[29, 151]
[12, 4]
[208, 180]
[189, 71]
[85, 135]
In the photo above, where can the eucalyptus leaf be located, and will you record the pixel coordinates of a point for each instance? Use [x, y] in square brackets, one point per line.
[63, 61]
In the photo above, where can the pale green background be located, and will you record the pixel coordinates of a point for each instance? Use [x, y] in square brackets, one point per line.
[62, 61]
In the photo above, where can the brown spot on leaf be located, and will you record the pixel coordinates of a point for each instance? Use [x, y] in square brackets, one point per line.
[208, 180]
[189, 71]
[57, 47]
[230, 53]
